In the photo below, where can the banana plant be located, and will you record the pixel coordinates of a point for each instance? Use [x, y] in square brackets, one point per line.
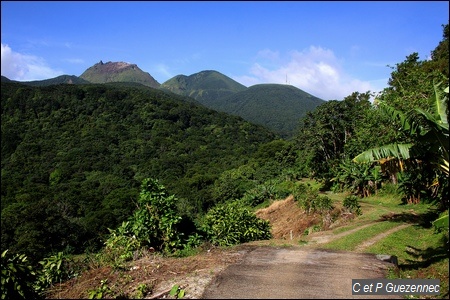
[428, 130]
[438, 132]
[358, 178]
[435, 133]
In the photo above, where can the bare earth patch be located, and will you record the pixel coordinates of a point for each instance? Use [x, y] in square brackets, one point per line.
[160, 273]
[288, 220]
[195, 273]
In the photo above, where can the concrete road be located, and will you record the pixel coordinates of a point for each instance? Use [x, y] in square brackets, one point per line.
[296, 273]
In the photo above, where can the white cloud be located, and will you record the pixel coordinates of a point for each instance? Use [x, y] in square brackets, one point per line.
[315, 70]
[16, 66]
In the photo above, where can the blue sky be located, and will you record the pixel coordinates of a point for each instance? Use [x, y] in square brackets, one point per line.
[328, 49]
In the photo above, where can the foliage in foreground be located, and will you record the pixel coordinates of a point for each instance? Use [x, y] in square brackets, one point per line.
[233, 223]
[17, 277]
[21, 280]
[424, 161]
[153, 224]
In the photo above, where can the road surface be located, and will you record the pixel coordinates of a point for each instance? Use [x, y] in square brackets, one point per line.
[296, 273]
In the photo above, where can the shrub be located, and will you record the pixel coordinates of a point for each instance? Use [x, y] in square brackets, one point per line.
[101, 292]
[17, 277]
[121, 244]
[310, 200]
[284, 189]
[323, 204]
[190, 246]
[55, 268]
[389, 189]
[153, 224]
[259, 194]
[232, 223]
[352, 205]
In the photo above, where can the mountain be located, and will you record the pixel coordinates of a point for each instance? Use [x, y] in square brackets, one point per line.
[118, 72]
[205, 86]
[6, 79]
[276, 106]
[73, 158]
[63, 79]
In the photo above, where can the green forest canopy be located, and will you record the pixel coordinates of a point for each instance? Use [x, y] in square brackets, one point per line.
[73, 156]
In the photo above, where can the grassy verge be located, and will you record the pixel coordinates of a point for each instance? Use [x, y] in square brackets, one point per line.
[379, 208]
[421, 254]
[375, 207]
[351, 241]
[420, 251]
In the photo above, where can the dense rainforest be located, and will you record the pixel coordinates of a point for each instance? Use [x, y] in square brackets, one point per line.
[73, 158]
[78, 160]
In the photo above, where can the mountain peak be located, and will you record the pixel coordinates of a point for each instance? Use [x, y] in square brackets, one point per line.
[204, 86]
[118, 72]
[113, 66]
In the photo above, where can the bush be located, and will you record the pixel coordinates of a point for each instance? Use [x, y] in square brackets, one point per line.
[56, 268]
[121, 244]
[389, 189]
[310, 200]
[191, 246]
[284, 188]
[153, 224]
[232, 223]
[323, 204]
[259, 194]
[17, 277]
[352, 205]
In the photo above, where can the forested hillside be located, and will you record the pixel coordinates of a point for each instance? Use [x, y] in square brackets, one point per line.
[206, 86]
[73, 158]
[276, 106]
[161, 171]
[69, 79]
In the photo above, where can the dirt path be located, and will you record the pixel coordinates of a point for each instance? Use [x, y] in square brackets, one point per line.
[295, 273]
[326, 237]
[378, 237]
[301, 272]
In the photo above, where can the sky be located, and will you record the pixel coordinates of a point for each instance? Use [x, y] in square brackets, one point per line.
[328, 49]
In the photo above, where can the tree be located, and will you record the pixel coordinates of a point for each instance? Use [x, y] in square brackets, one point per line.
[411, 82]
[325, 132]
[430, 141]
[440, 55]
